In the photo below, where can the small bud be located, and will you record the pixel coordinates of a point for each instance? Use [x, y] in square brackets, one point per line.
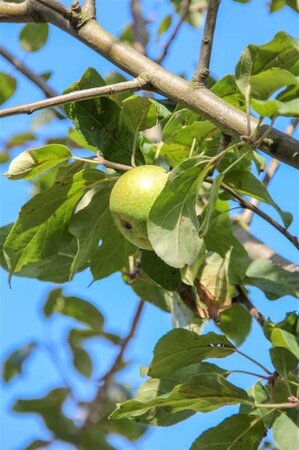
[20, 166]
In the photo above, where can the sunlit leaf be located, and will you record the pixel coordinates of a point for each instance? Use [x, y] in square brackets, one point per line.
[8, 86]
[34, 36]
[13, 365]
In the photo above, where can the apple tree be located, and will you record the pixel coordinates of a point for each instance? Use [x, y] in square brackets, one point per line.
[188, 162]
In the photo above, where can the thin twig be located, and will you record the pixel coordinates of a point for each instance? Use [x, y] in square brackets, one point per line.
[183, 16]
[106, 379]
[36, 79]
[248, 373]
[247, 216]
[246, 204]
[139, 29]
[253, 311]
[254, 361]
[203, 67]
[57, 7]
[85, 94]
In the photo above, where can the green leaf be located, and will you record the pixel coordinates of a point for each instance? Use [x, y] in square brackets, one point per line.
[286, 431]
[265, 83]
[213, 196]
[274, 107]
[151, 292]
[283, 360]
[141, 113]
[227, 89]
[75, 307]
[180, 348]
[272, 280]
[220, 239]
[50, 409]
[276, 5]
[32, 162]
[246, 183]
[19, 139]
[8, 86]
[13, 365]
[204, 392]
[282, 338]
[235, 323]
[41, 228]
[99, 121]
[238, 432]
[164, 25]
[38, 444]
[167, 277]
[243, 72]
[81, 359]
[33, 36]
[172, 224]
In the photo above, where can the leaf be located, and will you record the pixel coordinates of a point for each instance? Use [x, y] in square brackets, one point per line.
[272, 280]
[180, 348]
[282, 338]
[38, 444]
[243, 72]
[19, 139]
[50, 409]
[238, 432]
[276, 5]
[31, 162]
[34, 36]
[99, 121]
[172, 224]
[286, 431]
[164, 25]
[235, 323]
[227, 89]
[13, 365]
[283, 360]
[150, 292]
[81, 359]
[272, 108]
[220, 239]
[245, 182]
[8, 86]
[74, 307]
[141, 113]
[204, 392]
[41, 228]
[167, 277]
[213, 196]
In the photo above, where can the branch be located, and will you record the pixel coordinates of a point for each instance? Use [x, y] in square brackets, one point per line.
[246, 204]
[139, 29]
[247, 216]
[253, 311]
[203, 67]
[89, 9]
[84, 94]
[183, 16]
[36, 79]
[228, 118]
[92, 415]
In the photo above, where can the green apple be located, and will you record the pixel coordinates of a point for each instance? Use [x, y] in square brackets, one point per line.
[131, 200]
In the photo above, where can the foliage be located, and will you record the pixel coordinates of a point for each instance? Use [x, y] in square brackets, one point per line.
[198, 271]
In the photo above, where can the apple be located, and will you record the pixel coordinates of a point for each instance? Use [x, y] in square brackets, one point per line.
[131, 200]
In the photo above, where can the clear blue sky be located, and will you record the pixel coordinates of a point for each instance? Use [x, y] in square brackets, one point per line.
[238, 25]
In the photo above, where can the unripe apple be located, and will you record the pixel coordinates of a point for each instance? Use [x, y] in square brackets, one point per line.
[131, 200]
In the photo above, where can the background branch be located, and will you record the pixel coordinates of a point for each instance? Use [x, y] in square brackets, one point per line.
[39, 81]
[203, 67]
[139, 28]
[106, 379]
[183, 16]
[84, 94]
[246, 303]
[229, 119]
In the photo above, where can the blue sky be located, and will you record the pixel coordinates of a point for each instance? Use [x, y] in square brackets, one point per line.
[238, 25]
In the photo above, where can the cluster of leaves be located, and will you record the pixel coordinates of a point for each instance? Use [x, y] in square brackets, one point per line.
[195, 278]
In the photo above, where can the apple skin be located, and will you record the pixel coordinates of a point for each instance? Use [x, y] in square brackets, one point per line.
[131, 200]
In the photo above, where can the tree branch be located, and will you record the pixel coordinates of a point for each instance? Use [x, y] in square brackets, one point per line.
[246, 204]
[184, 14]
[247, 216]
[93, 413]
[246, 303]
[89, 9]
[139, 29]
[229, 119]
[203, 67]
[84, 94]
[36, 79]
